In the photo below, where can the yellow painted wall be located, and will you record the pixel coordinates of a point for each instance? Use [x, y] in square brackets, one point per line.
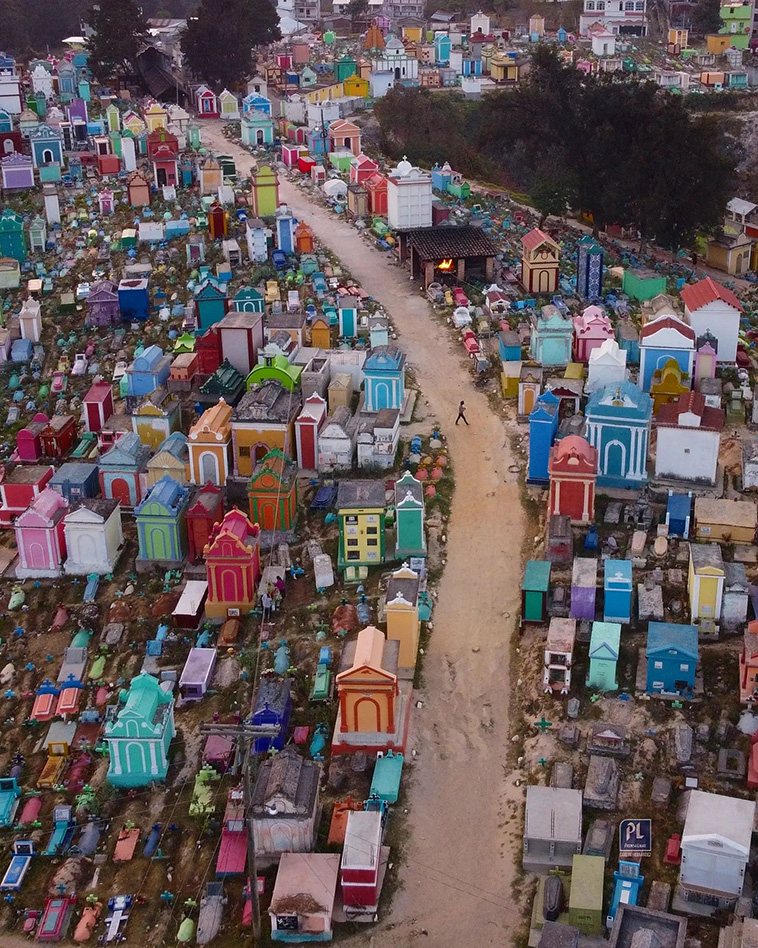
[403, 626]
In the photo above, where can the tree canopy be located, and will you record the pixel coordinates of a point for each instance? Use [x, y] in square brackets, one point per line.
[219, 41]
[120, 30]
[706, 17]
[26, 26]
[619, 149]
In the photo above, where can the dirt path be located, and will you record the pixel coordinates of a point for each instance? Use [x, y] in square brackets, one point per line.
[459, 857]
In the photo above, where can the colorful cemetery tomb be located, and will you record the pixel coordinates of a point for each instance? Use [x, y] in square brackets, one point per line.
[40, 537]
[671, 656]
[722, 520]
[572, 470]
[303, 899]
[361, 514]
[208, 348]
[121, 468]
[256, 237]
[607, 366]
[209, 446]
[19, 489]
[384, 373]
[540, 263]
[360, 868]
[535, 588]
[12, 240]
[97, 405]
[410, 541]
[212, 302]
[183, 371]
[242, 335]
[103, 309]
[559, 652]
[711, 307]
[543, 426]
[263, 419]
[206, 103]
[604, 654]
[272, 492]
[273, 707]
[285, 805]
[75, 480]
[716, 845]
[17, 171]
[591, 329]
[551, 335]
[552, 828]
[161, 525]
[156, 416]
[308, 424]
[749, 664]
[705, 582]
[373, 712]
[678, 514]
[688, 438]
[139, 734]
[617, 585]
[46, 144]
[94, 537]
[586, 895]
[583, 588]
[402, 617]
[138, 190]
[589, 268]
[232, 853]
[224, 384]
[30, 320]
[642, 285]
[257, 129]
[529, 388]
[618, 427]
[232, 560]
[134, 302]
[196, 675]
[205, 510]
[265, 192]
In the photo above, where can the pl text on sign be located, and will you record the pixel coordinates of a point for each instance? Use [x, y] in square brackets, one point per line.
[635, 838]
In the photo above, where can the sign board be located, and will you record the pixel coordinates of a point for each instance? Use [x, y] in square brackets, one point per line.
[635, 838]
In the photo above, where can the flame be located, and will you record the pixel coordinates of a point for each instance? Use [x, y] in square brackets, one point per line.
[445, 265]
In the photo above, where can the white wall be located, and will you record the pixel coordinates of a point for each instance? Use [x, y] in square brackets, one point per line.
[723, 321]
[687, 454]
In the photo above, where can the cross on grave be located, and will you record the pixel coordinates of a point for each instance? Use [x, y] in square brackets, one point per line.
[543, 724]
[542, 762]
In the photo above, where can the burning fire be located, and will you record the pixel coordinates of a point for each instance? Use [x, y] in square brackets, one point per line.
[445, 265]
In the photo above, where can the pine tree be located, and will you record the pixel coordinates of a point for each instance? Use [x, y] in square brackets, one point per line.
[120, 32]
[219, 41]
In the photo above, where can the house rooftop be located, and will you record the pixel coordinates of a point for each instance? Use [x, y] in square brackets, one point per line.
[706, 555]
[724, 512]
[697, 295]
[670, 930]
[290, 777]
[268, 403]
[553, 814]
[360, 493]
[714, 814]
[443, 243]
[662, 636]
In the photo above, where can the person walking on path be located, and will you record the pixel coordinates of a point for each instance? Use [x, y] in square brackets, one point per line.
[461, 412]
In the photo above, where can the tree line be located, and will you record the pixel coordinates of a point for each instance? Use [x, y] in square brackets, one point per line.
[619, 149]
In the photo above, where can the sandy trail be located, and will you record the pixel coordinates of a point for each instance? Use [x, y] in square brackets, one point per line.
[459, 859]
